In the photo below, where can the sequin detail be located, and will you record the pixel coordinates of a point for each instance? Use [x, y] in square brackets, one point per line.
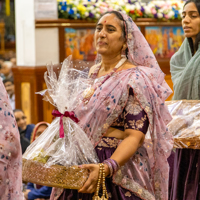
[133, 107]
[108, 142]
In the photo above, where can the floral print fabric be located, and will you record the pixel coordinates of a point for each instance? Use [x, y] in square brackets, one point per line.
[10, 152]
[132, 117]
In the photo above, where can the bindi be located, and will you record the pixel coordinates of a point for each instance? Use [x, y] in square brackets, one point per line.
[104, 21]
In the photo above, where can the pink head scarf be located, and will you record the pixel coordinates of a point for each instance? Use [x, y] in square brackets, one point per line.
[10, 152]
[36, 128]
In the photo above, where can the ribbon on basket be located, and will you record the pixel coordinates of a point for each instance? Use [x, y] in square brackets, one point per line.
[71, 115]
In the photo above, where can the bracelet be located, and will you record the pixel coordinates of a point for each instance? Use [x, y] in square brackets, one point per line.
[112, 165]
[115, 165]
[109, 166]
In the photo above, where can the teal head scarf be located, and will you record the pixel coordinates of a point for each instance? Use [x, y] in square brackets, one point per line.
[185, 71]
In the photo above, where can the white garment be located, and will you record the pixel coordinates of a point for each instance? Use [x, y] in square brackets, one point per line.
[12, 101]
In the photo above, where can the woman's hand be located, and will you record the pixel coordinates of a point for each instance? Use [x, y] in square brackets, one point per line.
[90, 185]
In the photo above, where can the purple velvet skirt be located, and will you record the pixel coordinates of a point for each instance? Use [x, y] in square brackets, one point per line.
[104, 150]
[186, 175]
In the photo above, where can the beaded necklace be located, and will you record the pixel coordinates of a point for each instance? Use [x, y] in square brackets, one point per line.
[87, 94]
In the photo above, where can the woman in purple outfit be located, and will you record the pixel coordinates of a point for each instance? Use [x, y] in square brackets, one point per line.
[126, 99]
[185, 70]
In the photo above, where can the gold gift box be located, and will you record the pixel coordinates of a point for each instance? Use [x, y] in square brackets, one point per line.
[53, 176]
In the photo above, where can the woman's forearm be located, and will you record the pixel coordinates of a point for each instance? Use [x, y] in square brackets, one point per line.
[128, 146]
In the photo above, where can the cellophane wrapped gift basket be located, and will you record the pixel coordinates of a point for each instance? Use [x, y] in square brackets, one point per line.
[53, 158]
[185, 125]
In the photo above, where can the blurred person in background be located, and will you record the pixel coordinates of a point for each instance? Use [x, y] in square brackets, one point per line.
[33, 191]
[13, 60]
[1, 74]
[10, 88]
[25, 129]
[6, 69]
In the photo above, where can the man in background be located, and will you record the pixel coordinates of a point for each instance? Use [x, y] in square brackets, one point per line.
[6, 69]
[10, 88]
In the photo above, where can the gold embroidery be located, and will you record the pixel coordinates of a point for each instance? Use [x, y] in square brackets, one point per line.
[140, 191]
[132, 124]
[157, 184]
[133, 106]
[117, 123]
[102, 144]
[147, 109]
[128, 194]
[137, 124]
[108, 142]
[105, 126]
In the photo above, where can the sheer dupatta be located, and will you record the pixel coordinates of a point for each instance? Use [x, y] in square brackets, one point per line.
[185, 70]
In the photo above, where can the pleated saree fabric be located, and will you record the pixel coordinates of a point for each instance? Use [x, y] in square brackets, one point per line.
[147, 171]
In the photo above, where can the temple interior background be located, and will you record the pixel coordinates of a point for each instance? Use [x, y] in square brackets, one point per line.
[36, 32]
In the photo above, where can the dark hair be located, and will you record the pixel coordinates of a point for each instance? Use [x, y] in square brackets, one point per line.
[8, 80]
[197, 40]
[123, 24]
[17, 110]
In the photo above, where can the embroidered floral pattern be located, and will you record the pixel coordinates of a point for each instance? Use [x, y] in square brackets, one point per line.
[108, 142]
[105, 125]
[128, 120]
[118, 123]
[9, 136]
[127, 194]
[133, 106]
[137, 124]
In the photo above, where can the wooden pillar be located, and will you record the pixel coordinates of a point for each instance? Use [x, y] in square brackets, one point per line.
[28, 81]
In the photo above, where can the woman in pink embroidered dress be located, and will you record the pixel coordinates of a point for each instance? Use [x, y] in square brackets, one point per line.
[129, 95]
[10, 152]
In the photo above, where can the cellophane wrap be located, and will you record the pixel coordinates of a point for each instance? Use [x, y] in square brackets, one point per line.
[185, 125]
[52, 160]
